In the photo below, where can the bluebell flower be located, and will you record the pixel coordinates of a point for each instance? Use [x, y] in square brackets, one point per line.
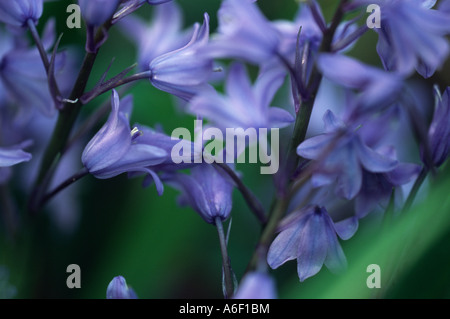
[116, 149]
[244, 105]
[158, 37]
[439, 131]
[207, 190]
[343, 155]
[310, 236]
[184, 72]
[412, 35]
[97, 12]
[18, 12]
[244, 33]
[173, 162]
[377, 88]
[376, 189]
[118, 289]
[256, 285]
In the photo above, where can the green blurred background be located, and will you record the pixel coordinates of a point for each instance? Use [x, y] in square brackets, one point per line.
[165, 251]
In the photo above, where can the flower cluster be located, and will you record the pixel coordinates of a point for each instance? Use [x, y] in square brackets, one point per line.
[347, 126]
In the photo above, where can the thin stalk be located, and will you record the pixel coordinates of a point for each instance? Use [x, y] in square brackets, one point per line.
[415, 189]
[109, 86]
[39, 45]
[228, 273]
[252, 201]
[77, 176]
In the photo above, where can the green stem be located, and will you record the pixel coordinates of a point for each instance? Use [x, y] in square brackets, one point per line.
[226, 265]
[66, 119]
[415, 189]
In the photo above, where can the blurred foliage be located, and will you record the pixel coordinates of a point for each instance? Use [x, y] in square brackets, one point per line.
[165, 251]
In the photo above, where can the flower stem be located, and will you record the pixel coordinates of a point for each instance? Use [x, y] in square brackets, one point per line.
[75, 177]
[66, 119]
[415, 189]
[39, 45]
[114, 84]
[228, 273]
[252, 201]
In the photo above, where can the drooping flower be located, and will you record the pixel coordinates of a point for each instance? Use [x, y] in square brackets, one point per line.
[184, 72]
[207, 190]
[244, 33]
[158, 37]
[18, 12]
[118, 289]
[412, 35]
[343, 155]
[377, 88]
[439, 131]
[256, 285]
[377, 188]
[310, 236]
[244, 105]
[97, 12]
[116, 148]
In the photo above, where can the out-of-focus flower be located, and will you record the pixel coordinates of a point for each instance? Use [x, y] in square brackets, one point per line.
[439, 132]
[309, 235]
[23, 76]
[184, 72]
[244, 33]
[13, 155]
[116, 149]
[343, 155]
[412, 35]
[377, 88]
[118, 289]
[97, 12]
[256, 285]
[158, 37]
[244, 106]
[207, 190]
[18, 12]
[376, 188]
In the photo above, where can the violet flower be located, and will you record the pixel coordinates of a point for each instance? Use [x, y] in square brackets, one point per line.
[343, 155]
[310, 236]
[97, 12]
[184, 72]
[244, 33]
[412, 35]
[244, 105]
[207, 190]
[377, 88]
[18, 12]
[256, 285]
[376, 188]
[158, 37]
[116, 149]
[118, 289]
